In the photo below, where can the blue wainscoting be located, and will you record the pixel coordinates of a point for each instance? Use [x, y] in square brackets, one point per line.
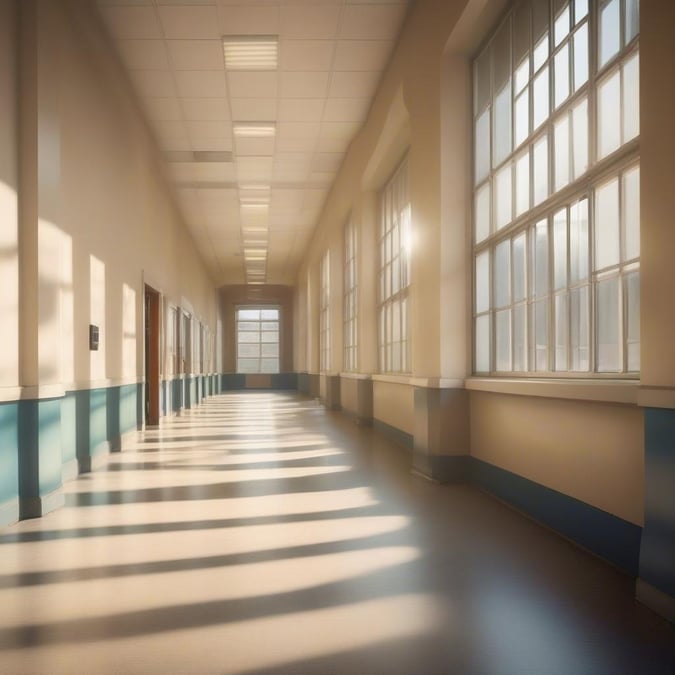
[657, 557]
[9, 463]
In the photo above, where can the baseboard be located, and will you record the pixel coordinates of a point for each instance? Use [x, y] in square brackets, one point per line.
[656, 600]
[401, 437]
[69, 470]
[9, 512]
[36, 507]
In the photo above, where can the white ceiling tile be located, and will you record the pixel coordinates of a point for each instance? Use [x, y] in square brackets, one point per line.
[321, 177]
[218, 198]
[207, 109]
[254, 146]
[327, 161]
[201, 172]
[171, 135]
[190, 22]
[287, 200]
[133, 23]
[246, 20]
[196, 54]
[332, 144]
[144, 54]
[208, 129]
[307, 55]
[284, 144]
[343, 130]
[254, 168]
[301, 109]
[309, 21]
[251, 84]
[298, 130]
[362, 54]
[354, 84]
[346, 109]
[303, 84]
[150, 83]
[254, 109]
[290, 173]
[372, 22]
[201, 83]
[198, 143]
[162, 109]
[315, 198]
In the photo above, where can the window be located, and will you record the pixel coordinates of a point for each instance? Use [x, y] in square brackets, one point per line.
[556, 200]
[350, 298]
[394, 273]
[324, 314]
[257, 340]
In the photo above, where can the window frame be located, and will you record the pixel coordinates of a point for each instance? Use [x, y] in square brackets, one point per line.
[350, 297]
[260, 357]
[598, 171]
[324, 313]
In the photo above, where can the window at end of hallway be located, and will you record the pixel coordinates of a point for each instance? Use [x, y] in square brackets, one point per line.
[557, 191]
[394, 273]
[324, 314]
[257, 340]
[350, 312]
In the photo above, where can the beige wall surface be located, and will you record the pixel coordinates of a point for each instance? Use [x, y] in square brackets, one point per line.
[349, 394]
[106, 221]
[394, 404]
[232, 297]
[590, 451]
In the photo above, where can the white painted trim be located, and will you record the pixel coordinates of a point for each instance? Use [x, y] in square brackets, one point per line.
[656, 397]
[103, 384]
[42, 391]
[437, 382]
[655, 599]
[9, 394]
[392, 379]
[617, 391]
[356, 376]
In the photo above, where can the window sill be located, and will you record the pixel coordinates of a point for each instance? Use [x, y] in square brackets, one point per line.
[617, 391]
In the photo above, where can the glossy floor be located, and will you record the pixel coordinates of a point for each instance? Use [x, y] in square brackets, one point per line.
[260, 533]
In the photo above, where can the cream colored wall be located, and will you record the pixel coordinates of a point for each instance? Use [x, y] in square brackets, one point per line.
[9, 254]
[591, 451]
[394, 404]
[349, 394]
[114, 225]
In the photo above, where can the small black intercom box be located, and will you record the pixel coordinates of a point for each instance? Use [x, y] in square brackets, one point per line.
[93, 338]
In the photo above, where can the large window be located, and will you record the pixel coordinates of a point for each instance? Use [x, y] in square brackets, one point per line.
[557, 189]
[257, 340]
[394, 273]
[350, 298]
[324, 314]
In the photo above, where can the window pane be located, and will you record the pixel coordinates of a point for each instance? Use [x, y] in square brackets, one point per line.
[610, 31]
[540, 255]
[561, 332]
[271, 349]
[502, 281]
[503, 340]
[269, 366]
[249, 350]
[522, 74]
[540, 169]
[523, 183]
[269, 314]
[270, 337]
[519, 274]
[580, 10]
[607, 225]
[579, 330]
[561, 26]
[483, 282]
[581, 56]
[248, 325]
[520, 338]
[579, 241]
[247, 365]
[631, 98]
[482, 146]
[483, 344]
[631, 213]
[503, 196]
[632, 25]
[483, 80]
[580, 139]
[502, 125]
[607, 325]
[609, 119]
[561, 149]
[269, 325]
[522, 117]
[248, 314]
[633, 322]
[541, 335]
[482, 213]
[245, 336]
[540, 51]
[560, 249]
[561, 74]
[540, 98]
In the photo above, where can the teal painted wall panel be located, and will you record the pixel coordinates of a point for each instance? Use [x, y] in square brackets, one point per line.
[98, 433]
[50, 445]
[127, 402]
[68, 428]
[9, 451]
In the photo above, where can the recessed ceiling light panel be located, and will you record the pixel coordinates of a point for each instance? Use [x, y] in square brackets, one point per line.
[251, 52]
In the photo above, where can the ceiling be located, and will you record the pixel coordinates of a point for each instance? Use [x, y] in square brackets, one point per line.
[252, 199]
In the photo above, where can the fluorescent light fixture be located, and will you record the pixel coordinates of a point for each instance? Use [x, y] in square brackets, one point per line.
[256, 258]
[254, 206]
[254, 129]
[251, 52]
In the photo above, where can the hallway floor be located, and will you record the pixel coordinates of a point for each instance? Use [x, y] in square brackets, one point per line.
[260, 533]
